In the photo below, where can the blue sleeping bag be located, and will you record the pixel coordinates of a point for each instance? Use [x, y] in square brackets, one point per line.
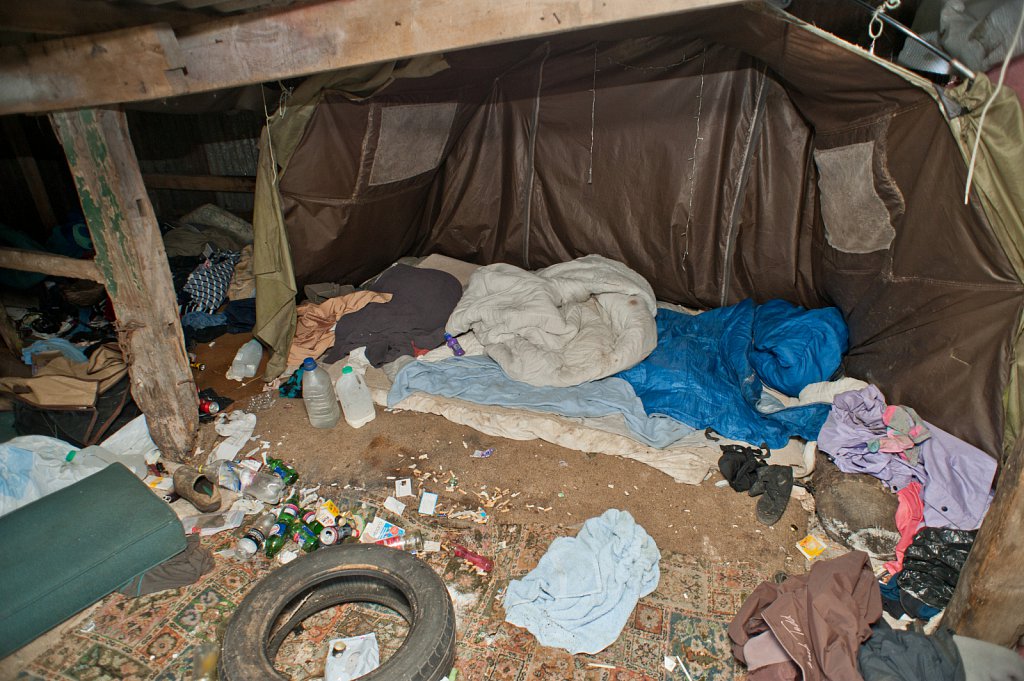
[793, 347]
[701, 373]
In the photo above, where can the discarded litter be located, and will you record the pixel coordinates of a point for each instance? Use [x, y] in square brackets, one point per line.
[206, 524]
[811, 546]
[482, 453]
[403, 488]
[428, 503]
[350, 658]
[394, 505]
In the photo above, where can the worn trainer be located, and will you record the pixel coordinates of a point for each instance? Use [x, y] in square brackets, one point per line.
[197, 489]
[774, 485]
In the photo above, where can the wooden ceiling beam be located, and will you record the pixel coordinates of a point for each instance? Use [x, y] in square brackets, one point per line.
[79, 17]
[295, 41]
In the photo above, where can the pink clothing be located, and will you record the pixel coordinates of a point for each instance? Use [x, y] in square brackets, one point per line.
[909, 519]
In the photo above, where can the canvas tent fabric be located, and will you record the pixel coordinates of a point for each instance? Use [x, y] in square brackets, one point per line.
[702, 151]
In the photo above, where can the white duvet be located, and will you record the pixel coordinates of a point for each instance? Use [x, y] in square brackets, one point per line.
[563, 325]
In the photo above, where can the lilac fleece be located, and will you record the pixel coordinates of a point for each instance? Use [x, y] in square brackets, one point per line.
[856, 420]
[957, 477]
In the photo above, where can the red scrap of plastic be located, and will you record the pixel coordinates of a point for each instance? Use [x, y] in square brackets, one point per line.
[485, 564]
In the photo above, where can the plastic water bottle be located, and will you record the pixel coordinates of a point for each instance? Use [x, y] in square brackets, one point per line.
[355, 398]
[453, 343]
[267, 487]
[247, 361]
[321, 405]
[256, 536]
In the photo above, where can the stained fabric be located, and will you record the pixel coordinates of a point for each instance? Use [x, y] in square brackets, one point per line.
[909, 518]
[793, 347]
[411, 323]
[700, 374]
[181, 570]
[820, 618]
[480, 380]
[560, 326]
[891, 655]
[314, 327]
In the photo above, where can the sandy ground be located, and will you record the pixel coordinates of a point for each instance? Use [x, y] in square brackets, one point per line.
[711, 520]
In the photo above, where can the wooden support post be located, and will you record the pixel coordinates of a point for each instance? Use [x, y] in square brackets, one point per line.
[30, 171]
[989, 598]
[131, 257]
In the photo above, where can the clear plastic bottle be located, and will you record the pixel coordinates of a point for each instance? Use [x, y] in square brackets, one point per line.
[267, 487]
[256, 536]
[247, 361]
[410, 541]
[321, 405]
[356, 402]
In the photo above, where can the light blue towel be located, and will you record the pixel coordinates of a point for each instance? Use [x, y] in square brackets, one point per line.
[479, 379]
[584, 588]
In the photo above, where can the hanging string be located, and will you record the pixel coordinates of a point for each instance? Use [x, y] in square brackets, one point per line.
[270, 135]
[995, 91]
[876, 26]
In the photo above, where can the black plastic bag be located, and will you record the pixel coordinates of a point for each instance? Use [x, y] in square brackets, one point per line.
[932, 564]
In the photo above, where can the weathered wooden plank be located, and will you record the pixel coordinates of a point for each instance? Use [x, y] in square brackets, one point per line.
[131, 257]
[295, 41]
[78, 17]
[30, 171]
[48, 263]
[9, 333]
[205, 183]
[989, 598]
[137, 63]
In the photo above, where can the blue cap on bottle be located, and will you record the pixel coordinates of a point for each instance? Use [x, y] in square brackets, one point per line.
[309, 364]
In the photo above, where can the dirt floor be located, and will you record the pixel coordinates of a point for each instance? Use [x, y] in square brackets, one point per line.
[713, 521]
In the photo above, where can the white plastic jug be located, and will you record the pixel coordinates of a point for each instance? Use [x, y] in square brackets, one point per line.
[356, 402]
[246, 361]
[321, 405]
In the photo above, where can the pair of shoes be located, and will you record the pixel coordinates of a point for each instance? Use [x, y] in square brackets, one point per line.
[739, 465]
[197, 489]
[774, 485]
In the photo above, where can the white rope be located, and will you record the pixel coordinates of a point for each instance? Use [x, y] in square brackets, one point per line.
[995, 92]
[876, 26]
[270, 136]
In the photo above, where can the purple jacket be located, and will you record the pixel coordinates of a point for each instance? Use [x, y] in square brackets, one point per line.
[956, 477]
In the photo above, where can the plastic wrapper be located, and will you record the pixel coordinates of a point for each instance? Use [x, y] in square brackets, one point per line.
[933, 562]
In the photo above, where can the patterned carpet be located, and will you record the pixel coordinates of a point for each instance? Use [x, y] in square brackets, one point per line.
[154, 637]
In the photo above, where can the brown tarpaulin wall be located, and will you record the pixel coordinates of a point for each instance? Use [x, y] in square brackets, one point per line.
[689, 150]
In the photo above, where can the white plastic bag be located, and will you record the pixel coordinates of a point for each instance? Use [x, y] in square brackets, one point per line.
[33, 466]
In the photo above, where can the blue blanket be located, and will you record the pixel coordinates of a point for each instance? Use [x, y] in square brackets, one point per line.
[701, 374]
[479, 379]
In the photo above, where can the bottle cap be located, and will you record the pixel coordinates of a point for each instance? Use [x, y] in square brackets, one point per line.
[346, 370]
[309, 364]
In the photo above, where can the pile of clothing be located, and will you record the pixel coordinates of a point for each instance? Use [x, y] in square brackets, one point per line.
[828, 624]
[210, 255]
[944, 486]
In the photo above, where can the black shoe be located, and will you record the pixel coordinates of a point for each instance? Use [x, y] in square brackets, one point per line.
[776, 483]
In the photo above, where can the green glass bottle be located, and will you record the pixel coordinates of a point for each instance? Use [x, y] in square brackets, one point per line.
[287, 473]
[275, 540]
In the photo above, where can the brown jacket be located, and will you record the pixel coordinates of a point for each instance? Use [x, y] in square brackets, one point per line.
[820, 618]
